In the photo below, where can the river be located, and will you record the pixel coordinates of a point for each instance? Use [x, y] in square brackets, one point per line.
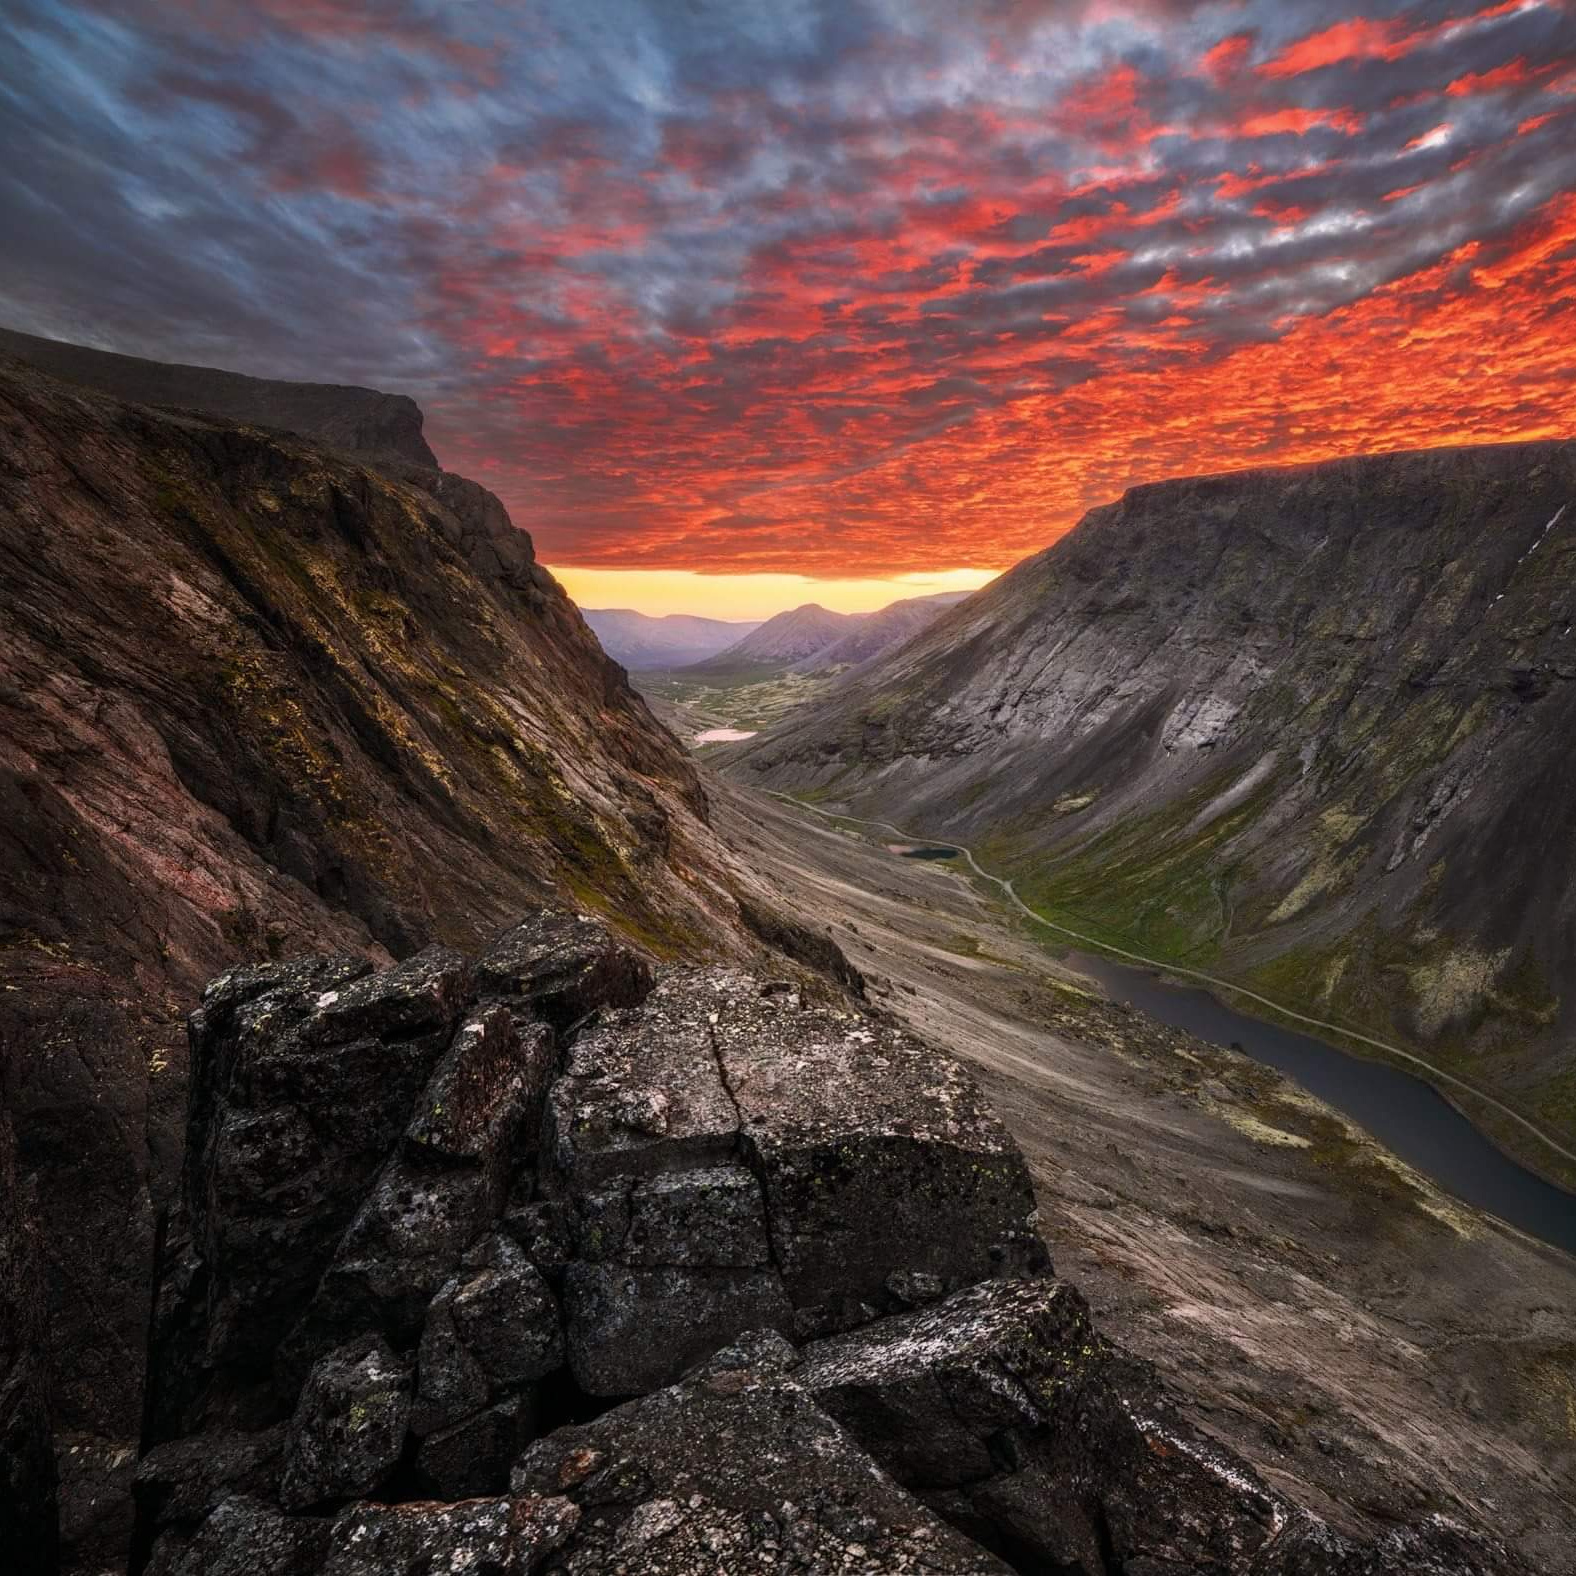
[1406, 1115]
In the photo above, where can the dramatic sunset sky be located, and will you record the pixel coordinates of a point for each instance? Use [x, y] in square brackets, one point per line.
[850, 289]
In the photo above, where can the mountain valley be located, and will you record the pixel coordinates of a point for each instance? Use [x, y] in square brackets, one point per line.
[1302, 729]
[549, 1101]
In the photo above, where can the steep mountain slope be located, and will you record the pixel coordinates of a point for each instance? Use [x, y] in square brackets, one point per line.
[881, 631]
[363, 420]
[673, 641]
[1307, 727]
[257, 698]
[782, 640]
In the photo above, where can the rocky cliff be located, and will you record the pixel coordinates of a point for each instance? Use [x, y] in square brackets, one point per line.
[364, 421]
[260, 696]
[547, 1261]
[1305, 728]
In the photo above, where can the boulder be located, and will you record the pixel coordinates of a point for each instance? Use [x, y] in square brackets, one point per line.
[489, 1083]
[629, 1327]
[1005, 1412]
[514, 1536]
[296, 1106]
[564, 967]
[349, 1426]
[245, 1537]
[736, 1469]
[184, 1481]
[423, 993]
[734, 1155]
[877, 1154]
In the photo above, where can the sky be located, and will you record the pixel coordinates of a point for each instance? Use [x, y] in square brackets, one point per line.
[853, 290]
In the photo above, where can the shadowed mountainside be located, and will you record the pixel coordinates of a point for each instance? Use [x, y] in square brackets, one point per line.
[258, 698]
[1307, 728]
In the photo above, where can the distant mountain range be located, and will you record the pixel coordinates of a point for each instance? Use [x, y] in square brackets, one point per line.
[812, 639]
[639, 641]
[1307, 728]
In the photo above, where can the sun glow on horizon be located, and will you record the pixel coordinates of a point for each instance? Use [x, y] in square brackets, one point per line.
[657, 592]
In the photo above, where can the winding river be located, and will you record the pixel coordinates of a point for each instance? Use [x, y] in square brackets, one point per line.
[1408, 1116]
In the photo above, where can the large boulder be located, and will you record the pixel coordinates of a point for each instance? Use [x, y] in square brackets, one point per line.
[349, 1427]
[740, 1157]
[736, 1469]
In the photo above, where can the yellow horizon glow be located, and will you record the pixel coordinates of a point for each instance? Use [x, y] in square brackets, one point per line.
[745, 597]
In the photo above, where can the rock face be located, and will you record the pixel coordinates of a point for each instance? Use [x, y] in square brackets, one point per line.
[1299, 727]
[27, 1459]
[396, 1335]
[259, 698]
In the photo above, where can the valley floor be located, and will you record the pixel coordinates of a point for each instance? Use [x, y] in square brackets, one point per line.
[1332, 1315]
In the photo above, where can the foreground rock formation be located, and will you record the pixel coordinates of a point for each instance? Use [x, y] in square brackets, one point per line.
[261, 696]
[1300, 727]
[440, 1220]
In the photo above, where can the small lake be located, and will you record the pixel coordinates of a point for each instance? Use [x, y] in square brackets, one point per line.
[724, 735]
[922, 850]
[1406, 1115]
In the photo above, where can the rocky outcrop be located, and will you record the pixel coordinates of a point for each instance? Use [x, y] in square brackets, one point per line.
[1301, 728]
[441, 1224]
[258, 699]
[28, 1518]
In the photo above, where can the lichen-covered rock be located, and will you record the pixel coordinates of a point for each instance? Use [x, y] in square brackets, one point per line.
[290, 1122]
[565, 966]
[730, 1152]
[1006, 1412]
[642, 1093]
[489, 1537]
[877, 1154]
[28, 1517]
[735, 1470]
[630, 1327]
[183, 1482]
[245, 1537]
[492, 1331]
[473, 1456]
[349, 1426]
[490, 1082]
[423, 993]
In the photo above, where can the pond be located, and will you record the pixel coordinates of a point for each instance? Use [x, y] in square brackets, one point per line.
[1406, 1115]
[922, 851]
[724, 735]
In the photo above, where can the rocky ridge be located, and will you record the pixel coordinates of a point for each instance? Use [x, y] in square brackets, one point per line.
[402, 1313]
